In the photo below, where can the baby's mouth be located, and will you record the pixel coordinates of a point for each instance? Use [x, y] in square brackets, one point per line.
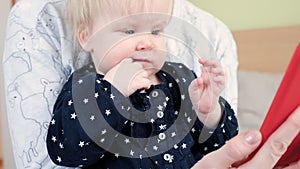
[144, 62]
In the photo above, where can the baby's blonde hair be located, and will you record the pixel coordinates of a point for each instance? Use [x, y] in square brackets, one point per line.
[82, 12]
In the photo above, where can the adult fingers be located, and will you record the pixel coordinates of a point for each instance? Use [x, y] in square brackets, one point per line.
[276, 144]
[236, 149]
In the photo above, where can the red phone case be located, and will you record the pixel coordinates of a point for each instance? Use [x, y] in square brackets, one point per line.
[286, 100]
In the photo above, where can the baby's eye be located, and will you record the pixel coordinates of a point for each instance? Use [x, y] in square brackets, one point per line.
[129, 32]
[155, 32]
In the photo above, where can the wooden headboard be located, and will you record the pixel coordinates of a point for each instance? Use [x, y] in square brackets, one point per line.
[13, 2]
[266, 50]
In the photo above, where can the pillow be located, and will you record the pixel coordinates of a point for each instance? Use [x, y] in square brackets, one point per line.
[256, 92]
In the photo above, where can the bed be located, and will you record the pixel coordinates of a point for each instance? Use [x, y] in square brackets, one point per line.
[263, 57]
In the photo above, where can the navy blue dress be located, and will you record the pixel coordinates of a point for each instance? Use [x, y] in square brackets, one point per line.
[95, 126]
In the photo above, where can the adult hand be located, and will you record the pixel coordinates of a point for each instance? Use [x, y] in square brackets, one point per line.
[239, 147]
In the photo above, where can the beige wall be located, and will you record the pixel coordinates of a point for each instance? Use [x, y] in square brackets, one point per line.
[5, 147]
[241, 15]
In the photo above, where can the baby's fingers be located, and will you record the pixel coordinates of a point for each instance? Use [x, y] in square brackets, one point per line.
[210, 63]
[221, 80]
[218, 71]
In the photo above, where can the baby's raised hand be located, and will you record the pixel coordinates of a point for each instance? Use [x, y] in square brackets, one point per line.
[205, 90]
[128, 76]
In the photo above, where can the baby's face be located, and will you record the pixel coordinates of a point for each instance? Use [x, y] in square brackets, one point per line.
[138, 36]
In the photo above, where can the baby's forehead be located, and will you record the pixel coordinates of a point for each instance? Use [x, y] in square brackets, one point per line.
[144, 19]
[111, 10]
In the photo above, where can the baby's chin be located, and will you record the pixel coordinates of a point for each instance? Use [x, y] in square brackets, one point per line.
[151, 69]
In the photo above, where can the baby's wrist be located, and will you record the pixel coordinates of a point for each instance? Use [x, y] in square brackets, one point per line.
[213, 117]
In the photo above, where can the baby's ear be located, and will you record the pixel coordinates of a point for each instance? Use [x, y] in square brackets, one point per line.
[83, 37]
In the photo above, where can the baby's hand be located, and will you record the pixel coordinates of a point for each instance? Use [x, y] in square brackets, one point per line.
[205, 90]
[128, 76]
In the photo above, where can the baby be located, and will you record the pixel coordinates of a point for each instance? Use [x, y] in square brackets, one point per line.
[130, 108]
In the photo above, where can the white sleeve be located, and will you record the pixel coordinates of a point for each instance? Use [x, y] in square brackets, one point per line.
[34, 71]
[219, 37]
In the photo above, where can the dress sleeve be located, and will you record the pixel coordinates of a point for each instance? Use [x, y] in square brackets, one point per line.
[78, 132]
[208, 139]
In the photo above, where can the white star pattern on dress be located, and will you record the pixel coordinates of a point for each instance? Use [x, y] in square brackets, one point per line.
[52, 122]
[53, 139]
[73, 115]
[92, 117]
[126, 141]
[61, 145]
[80, 81]
[112, 96]
[189, 120]
[96, 95]
[165, 104]
[107, 112]
[58, 159]
[229, 118]
[182, 97]
[162, 127]
[152, 120]
[131, 152]
[160, 107]
[103, 132]
[171, 159]
[85, 101]
[81, 144]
